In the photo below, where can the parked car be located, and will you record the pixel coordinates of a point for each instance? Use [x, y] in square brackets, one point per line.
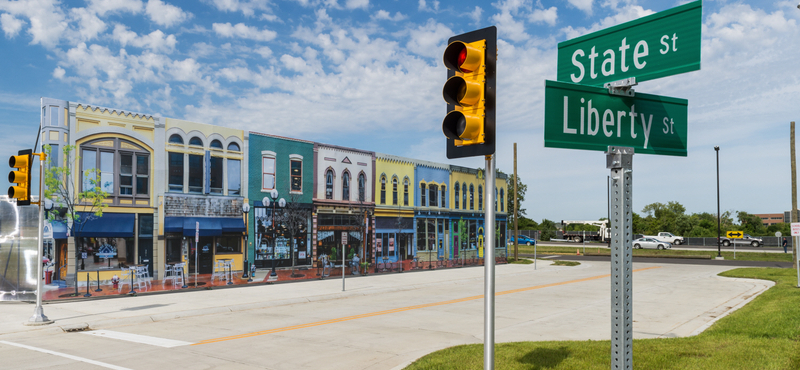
[522, 240]
[746, 239]
[650, 243]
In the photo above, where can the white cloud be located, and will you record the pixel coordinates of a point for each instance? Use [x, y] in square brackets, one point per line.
[89, 25]
[156, 40]
[355, 4]
[476, 14]
[583, 5]
[165, 14]
[264, 51]
[627, 13]
[507, 25]
[11, 25]
[248, 8]
[548, 16]
[47, 21]
[382, 14]
[243, 31]
[428, 40]
[59, 73]
[423, 6]
[102, 7]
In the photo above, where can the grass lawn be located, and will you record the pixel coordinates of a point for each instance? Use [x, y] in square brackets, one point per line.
[764, 334]
[740, 256]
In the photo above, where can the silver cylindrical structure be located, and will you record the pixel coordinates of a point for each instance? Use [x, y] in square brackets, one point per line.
[488, 264]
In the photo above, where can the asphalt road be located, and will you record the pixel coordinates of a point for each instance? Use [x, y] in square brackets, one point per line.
[684, 261]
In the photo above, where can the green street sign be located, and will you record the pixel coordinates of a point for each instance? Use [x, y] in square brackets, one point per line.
[587, 117]
[659, 45]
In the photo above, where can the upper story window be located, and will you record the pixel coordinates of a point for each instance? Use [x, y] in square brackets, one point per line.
[176, 139]
[405, 191]
[394, 190]
[234, 147]
[234, 177]
[433, 198]
[495, 199]
[362, 187]
[471, 197]
[296, 173]
[346, 185]
[215, 144]
[329, 184]
[124, 169]
[383, 189]
[422, 199]
[216, 185]
[196, 178]
[480, 197]
[267, 171]
[444, 196]
[195, 141]
[502, 202]
[455, 196]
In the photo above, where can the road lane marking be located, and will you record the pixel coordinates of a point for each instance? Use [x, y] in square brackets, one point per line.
[71, 357]
[401, 309]
[136, 338]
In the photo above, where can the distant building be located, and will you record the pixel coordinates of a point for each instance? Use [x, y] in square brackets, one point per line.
[769, 219]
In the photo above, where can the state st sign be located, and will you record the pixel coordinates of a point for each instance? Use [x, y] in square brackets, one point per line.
[658, 45]
[587, 117]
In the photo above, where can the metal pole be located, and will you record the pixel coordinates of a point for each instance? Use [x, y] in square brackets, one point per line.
[719, 215]
[344, 247]
[488, 264]
[516, 205]
[793, 216]
[38, 317]
[584, 242]
[620, 161]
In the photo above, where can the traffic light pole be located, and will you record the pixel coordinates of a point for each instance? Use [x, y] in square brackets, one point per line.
[38, 317]
[488, 265]
[620, 161]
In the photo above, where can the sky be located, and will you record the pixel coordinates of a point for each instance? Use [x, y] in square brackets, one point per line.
[369, 74]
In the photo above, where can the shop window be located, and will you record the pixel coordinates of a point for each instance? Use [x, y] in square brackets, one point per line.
[394, 190]
[346, 185]
[234, 147]
[106, 253]
[455, 198]
[195, 173]
[176, 139]
[175, 172]
[362, 187]
[296, 169]
[405, 191]
[422, 200]
[215, 144]
[228, 244]
[234, 177]
[216, 175]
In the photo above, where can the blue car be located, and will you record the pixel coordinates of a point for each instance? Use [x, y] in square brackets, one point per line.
[522, 240]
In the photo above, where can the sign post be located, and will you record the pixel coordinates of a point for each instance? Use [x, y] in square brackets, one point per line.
[196, 251]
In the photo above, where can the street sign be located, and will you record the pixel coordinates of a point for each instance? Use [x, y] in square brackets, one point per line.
[586, 117]
[659, 45]
[734, 234]
[344, 237]
[796, 229]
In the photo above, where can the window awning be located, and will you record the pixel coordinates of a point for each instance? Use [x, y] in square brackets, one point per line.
[209, 226]
[59, 229]
[110, 225]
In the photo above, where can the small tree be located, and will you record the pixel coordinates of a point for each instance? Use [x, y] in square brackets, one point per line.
[60, 187]
[295, 220]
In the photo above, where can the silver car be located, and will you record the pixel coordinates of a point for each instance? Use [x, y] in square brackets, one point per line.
[650, 243]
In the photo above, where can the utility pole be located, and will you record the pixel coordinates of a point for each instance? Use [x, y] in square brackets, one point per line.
[793, 217]
[516, 214]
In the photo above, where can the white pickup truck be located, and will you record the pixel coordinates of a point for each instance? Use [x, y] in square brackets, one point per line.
[667, 237]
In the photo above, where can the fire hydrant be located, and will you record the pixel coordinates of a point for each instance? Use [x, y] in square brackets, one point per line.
[115, 281]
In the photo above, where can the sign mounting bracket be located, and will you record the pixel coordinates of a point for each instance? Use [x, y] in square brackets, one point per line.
[622, 87]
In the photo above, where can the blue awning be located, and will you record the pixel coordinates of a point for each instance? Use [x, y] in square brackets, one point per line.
[110, 225]
[209, 226]
[59, 229]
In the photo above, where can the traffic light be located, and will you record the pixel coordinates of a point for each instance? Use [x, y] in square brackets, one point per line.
[20, 176]
[470, 91]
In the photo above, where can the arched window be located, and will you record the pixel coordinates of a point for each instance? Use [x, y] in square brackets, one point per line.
[175, 139]
[329, 184]
[444, 196]
[234, 147]
[383, 189]
[362, 187]
[346, 185]
[456, 195]
[216, 144]
[471, 197]
[195, 141]
[422, 199]
[394, 190]
[502, 203]
[464, 195]
[480, 197]
[405, 191]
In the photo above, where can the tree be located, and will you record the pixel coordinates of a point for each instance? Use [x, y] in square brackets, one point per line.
[751, 224]
[60, 187]
[295, 220]
[548, 229]
[515, 185]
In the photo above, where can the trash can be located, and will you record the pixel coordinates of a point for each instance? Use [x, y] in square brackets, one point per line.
[48, 277]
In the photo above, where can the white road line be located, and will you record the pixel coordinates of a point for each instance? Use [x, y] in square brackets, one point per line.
[136, 338]
[71, 357]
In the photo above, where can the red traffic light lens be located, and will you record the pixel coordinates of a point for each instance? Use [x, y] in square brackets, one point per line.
[462, 57]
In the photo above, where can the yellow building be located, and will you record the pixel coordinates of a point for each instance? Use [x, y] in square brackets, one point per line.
[394, 207]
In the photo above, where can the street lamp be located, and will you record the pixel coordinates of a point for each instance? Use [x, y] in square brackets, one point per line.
[719, 232]
[246, 264]
[281, 203]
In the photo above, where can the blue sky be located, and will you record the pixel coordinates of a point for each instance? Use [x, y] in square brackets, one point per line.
[369, 74]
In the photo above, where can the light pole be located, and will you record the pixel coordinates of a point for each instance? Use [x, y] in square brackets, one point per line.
[719, 222]
[246, 262]
[282, 203]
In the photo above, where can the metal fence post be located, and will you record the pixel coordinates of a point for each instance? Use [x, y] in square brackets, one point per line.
[620, 161]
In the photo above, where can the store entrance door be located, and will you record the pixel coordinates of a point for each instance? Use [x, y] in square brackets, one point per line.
[146, 253]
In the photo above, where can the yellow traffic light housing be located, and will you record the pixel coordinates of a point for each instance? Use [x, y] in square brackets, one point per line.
[21, 176]
[469, 92]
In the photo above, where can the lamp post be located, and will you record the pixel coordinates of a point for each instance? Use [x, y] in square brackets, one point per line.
[719, 222]
[282, 203]
[246, 263]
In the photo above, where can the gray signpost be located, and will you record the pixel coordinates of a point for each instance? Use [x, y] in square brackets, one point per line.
[579, 114]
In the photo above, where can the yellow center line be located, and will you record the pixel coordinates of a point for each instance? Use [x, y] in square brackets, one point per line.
[401, 309]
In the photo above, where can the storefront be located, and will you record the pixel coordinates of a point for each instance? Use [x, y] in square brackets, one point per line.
[277, 237]
[337, 231]
[394, 238]
[202, 240]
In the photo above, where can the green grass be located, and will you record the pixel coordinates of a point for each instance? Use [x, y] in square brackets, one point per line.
[764, 334]
[740, 256]
[565, 263]
[521, 261]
